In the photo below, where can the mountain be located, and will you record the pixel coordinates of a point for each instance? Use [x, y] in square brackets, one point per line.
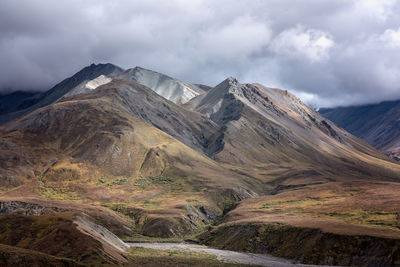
[232, 167]
[260, 125]
[17, 104]
[377, 124]
[106, 143]
[58, 91]
[172, 89]
[14, 101]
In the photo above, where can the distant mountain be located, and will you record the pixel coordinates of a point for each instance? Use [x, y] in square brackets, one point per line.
[14, 101]
[172, 89]
[58, 91]
[377, 124]
[17, 104]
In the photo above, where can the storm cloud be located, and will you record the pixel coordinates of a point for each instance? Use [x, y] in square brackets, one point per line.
[329, 53]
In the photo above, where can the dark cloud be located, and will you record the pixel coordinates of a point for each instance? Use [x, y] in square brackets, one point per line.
[329, 53]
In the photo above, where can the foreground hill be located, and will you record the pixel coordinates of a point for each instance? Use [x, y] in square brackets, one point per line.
[377, 124]
[236, 155]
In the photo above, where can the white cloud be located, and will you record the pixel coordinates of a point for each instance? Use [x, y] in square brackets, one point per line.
[376, 9]
[331, 52]
[299, 42]
[390, 38]
[241, 37]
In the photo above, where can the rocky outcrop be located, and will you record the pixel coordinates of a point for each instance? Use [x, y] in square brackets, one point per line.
[24, 208]
[112, 245]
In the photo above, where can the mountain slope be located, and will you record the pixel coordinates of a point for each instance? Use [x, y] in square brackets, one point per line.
[260, 125]
[58, 91]
[172, 89]
[98, 148]
[377, 124]
[124, 129]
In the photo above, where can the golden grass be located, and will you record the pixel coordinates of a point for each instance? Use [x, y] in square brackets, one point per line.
[371, 207]
[153, 257]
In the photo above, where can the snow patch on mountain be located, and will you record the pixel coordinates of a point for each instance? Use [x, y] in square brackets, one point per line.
[172, 89]
[93, 84]
[87, 86]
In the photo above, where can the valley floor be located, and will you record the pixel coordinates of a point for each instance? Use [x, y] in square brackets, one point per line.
[226, 256]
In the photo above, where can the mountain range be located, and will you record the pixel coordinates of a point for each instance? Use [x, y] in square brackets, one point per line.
[377, 124]
[112, 154]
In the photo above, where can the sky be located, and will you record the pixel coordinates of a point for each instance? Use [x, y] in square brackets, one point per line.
[328, 53]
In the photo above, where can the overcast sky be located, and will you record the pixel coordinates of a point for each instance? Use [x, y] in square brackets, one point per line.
[329, 53]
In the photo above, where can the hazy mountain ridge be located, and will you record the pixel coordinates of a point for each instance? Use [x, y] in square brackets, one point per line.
[14, 101]
[58, 91]
[377, 124]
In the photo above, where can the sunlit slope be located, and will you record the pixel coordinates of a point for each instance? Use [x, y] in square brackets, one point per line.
[172, 89]
[269, 133]
[90, 148]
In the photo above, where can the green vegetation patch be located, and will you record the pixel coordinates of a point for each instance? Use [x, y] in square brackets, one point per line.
[145, 182]
[383, 219]
[303, 202]
[118, 182]
[147, 204]
[357, 216]
[154, 257]
[61, 174]
[55, 193]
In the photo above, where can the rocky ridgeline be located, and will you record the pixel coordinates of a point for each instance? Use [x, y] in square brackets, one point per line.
[24, 208]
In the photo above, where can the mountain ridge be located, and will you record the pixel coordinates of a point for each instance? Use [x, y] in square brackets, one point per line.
[60, 89]
[175, 90]
[377, 124]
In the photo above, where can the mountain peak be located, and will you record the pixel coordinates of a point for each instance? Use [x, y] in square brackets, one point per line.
[230, 81]
[226, 86]
[102, 68]
[141, 68]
